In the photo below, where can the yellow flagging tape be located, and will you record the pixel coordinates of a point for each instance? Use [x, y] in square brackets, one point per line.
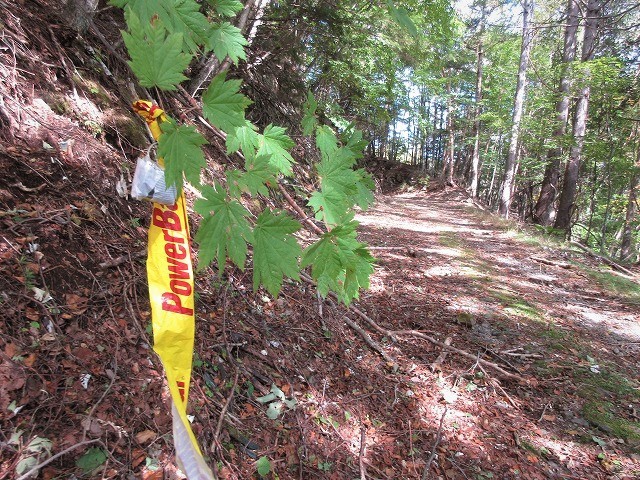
[170, 276]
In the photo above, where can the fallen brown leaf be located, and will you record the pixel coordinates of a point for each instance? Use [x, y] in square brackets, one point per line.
[146, 436]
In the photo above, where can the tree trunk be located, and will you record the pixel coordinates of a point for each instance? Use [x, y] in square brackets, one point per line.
[545, 207]
[627, 248]
[449, 155]
[572, 170]
[508, 179]
[475, 158]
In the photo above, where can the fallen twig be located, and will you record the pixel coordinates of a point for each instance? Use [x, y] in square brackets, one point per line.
[225, 407]
[367, 338]
[353, 309]
[551, 262]
[604, 259]
[425, 472]
[363, 445]
[115, 262]
[497, 368]
[104, 394]
[443, 355]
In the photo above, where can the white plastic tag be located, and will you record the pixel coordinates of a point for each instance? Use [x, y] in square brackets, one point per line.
[149, 183]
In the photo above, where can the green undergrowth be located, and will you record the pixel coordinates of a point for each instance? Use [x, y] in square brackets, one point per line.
[621, 286]
[450, 240]
[516, 306]
[604, 416]
[608, 397]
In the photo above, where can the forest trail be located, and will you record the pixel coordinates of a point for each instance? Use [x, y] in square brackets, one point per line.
[526, 302]
[484, 268]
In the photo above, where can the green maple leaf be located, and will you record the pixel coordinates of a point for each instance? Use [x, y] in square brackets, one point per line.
[227, 40]
[336, 173]
[156, 56]
[309, 121]
[245, 138]
[234, 177]
[180, 146]
[225, 229]
[329, 206]
[275, 144]
[259, 173]
[340, 186]
[226, 8]
[354, 141]
[179, 16]
[186, 18]
[326, 141]
[339, 263]
[275, 251]
[223, 105]
[364, 197]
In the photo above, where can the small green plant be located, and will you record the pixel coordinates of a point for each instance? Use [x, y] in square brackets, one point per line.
[325, 466]
[263, 466]
[92, 459]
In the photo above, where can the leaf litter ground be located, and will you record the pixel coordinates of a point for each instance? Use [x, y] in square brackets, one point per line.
[77, 373]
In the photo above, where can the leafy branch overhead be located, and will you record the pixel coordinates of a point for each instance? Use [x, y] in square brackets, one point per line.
[162, 38]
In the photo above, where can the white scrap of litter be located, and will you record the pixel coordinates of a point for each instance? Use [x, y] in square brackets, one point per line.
[595, 368]
[121, 187]
[41, 295]
[84, 380]
[264, 352]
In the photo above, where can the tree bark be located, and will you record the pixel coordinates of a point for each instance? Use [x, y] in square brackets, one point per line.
[475, 158]
[627, 247]
[572, 170]
[508, 180]
[545, 207]
[449, 155]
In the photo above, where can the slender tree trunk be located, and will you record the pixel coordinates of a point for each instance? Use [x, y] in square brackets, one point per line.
[449, 155]
[572, 170]
[489, 198]
[508, 179]
[475, 158]
[545, 207]
[627, 248]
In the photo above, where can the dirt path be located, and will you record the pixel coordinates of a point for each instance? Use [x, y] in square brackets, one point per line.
[451, 270]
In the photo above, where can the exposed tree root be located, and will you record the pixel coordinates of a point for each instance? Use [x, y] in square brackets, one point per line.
[486, 363]
[604, 259]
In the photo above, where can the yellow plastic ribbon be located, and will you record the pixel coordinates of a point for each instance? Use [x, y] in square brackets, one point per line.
[170, 276]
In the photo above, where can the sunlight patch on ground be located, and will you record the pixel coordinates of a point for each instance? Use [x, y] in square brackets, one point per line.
[467, 304]
[628, 326]
[440, 271]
